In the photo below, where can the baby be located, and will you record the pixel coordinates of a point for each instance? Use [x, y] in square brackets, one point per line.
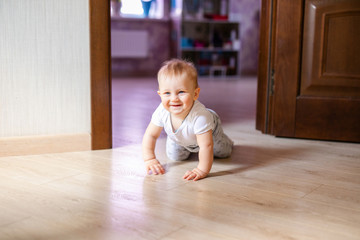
[190, 127]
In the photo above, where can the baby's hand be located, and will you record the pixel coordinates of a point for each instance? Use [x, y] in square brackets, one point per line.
[155, 167]
[195, 174]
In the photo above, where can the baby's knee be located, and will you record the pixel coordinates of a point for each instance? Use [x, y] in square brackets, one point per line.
[177, 155]
[222, 154]
[223, 150]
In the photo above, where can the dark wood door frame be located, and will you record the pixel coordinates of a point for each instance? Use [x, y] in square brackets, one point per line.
[264, 73]
[100, 74]
[282, 58]
[287, 65]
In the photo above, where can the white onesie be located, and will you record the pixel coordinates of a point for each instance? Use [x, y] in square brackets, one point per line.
[183, 141]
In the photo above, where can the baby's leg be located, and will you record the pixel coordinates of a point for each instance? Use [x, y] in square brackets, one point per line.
[223, 145]
[175, 151]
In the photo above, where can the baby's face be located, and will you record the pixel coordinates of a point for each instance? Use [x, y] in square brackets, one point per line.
[178, 95]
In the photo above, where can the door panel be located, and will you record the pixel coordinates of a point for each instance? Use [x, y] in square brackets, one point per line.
[331, 49]
[328, 119]
[328, 106]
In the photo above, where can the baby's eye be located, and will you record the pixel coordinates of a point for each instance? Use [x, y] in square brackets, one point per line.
[166, 93]
[180, 92]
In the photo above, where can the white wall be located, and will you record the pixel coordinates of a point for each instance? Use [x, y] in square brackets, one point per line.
[44, 67]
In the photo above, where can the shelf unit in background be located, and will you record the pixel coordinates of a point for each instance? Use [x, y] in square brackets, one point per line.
[207, 38]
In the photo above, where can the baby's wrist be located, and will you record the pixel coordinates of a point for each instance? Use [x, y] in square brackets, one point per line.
[203, 169]
[149, 159]
[200, 171]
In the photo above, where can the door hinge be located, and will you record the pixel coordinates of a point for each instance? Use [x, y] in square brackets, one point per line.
[271, 85]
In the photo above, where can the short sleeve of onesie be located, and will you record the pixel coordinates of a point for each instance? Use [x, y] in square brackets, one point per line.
[203, 122]
[157, 117]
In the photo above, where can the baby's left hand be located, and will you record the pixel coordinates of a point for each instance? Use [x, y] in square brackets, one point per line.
[195, 174]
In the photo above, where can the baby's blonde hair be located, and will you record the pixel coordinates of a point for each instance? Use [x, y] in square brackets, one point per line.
[176, 68]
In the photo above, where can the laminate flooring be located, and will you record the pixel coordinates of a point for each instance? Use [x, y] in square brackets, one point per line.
[270, 188]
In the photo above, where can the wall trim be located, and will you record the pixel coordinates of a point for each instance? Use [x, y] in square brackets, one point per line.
[33, 145]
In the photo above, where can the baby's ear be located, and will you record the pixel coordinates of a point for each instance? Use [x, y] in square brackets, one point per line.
[158, 92]
[197, 92]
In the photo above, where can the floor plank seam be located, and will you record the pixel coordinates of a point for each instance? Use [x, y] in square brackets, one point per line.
[59, 179]
[329, 204]
[313, 190]
[172, 232]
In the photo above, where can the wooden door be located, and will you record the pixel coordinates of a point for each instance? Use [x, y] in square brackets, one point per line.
[309, 69]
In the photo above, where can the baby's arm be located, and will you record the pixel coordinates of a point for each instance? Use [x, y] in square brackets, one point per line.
[206, 157]
[152, 133]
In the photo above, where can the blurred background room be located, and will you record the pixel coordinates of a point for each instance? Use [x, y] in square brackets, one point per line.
[211, 32]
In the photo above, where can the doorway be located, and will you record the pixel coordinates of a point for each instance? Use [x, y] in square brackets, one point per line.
[134, 96]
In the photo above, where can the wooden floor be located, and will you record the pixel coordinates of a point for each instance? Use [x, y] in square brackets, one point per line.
[271, 188]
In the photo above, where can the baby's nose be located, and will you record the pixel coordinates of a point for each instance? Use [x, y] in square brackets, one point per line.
[174, 97]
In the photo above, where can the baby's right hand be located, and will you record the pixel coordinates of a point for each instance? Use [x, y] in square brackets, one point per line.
[154, 166]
